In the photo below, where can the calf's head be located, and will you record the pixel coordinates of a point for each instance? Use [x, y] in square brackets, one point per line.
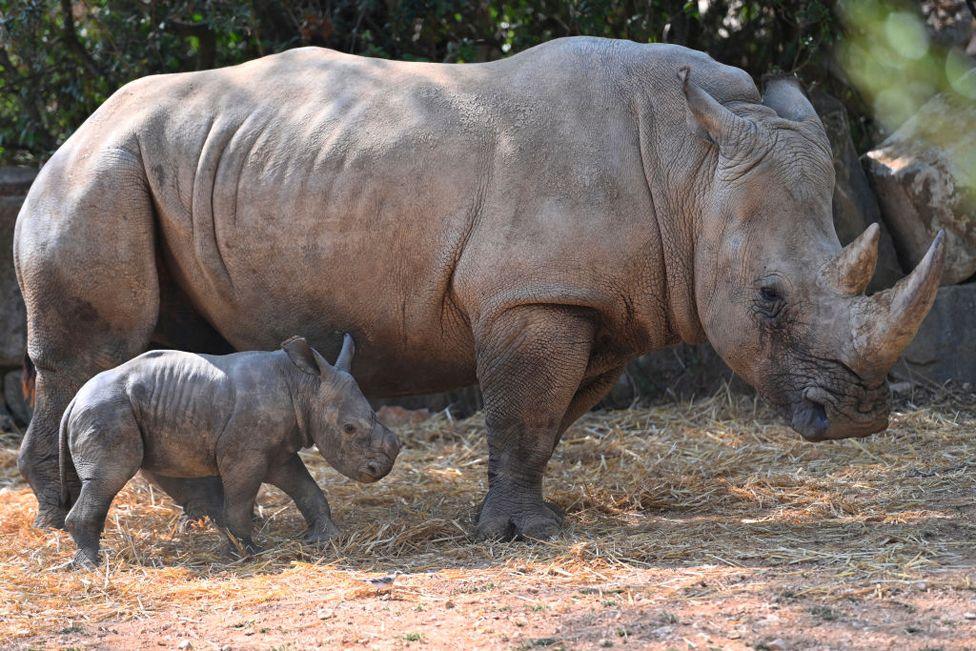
[779, 298]
[336, 415]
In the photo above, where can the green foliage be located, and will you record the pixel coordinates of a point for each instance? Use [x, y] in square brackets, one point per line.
[892, 60]
[59, 59]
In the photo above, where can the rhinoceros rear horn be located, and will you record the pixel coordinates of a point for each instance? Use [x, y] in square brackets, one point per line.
[888, 320]
[706, 116]
[783, 94]
[344, 360]
[852, 269]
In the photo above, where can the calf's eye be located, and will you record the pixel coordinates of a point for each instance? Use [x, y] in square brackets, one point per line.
[349, 428]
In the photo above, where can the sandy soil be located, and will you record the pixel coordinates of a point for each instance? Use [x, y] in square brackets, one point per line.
[694, 527]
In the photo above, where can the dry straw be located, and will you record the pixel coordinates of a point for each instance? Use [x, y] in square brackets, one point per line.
[709, 484]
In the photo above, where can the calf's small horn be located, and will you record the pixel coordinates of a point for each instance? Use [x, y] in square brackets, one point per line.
[892, 317]
[344, 360]
[852, 269]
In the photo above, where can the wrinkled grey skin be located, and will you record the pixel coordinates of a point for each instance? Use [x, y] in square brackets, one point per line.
[530, 224]
[240, 417]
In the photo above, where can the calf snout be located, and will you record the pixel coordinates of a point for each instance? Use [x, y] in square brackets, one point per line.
[383, 453]
[389, 443]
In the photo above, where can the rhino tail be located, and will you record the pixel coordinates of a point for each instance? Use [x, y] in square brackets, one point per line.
[65, 464]
[28, 380]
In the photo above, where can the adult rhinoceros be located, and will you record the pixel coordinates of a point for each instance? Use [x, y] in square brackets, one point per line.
[530, 224]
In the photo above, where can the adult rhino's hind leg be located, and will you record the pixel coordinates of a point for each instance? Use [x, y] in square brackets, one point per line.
[531, 361]
[201, 497]
[83, 251]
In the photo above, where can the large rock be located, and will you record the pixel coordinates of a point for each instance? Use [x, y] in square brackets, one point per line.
[924, 176]
[950, 24]
[14, 183]
[855, 206]
[13, 396]
[945, 347]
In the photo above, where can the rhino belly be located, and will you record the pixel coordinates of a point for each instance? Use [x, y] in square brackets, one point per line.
[277, 242]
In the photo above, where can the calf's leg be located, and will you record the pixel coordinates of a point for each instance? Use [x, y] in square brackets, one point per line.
[106, 455]
[241, 479]
[531, 361]
[293, 478]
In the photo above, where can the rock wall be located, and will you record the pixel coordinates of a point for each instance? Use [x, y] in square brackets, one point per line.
[944, 350]
[855, 206]
[14, 183]
[924, 175]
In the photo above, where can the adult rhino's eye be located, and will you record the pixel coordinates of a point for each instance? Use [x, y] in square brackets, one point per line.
[770, 301]
[769, 294]
[349, 428]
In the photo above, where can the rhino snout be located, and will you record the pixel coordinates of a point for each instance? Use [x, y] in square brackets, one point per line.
[384, 452]
[810, 420]
[817, 419]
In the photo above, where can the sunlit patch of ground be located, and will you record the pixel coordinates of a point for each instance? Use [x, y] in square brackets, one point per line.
[693, 526]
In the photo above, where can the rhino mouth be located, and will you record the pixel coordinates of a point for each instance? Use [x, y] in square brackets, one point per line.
[375, 469]
[809, 418]
[817, 417]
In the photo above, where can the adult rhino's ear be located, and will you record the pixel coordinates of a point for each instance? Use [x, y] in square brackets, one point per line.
[707, 117]
[302, 355]
[784, 94]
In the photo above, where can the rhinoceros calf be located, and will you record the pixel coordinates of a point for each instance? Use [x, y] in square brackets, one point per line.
[242, 417]
[530, 224]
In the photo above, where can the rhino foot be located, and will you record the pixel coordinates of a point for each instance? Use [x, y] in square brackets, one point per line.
[506, 516]
[322, 535]
[50, 518]
[238, 548]
[84, 559]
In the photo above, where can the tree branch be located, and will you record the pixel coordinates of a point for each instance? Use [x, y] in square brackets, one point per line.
[70, 36]
[32, 106]
[207, 54]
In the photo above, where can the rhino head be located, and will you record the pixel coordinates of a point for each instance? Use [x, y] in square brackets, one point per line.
[778, 297]
[337, 417]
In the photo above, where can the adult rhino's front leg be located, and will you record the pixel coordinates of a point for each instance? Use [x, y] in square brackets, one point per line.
[531, 361]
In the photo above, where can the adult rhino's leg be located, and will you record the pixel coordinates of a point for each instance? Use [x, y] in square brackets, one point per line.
[181, 327]
[531, 361]
[84, 256]
[201, 497]
[588, 395]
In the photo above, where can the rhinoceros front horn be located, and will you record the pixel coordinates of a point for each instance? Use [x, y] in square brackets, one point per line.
[851, 270]
[344, 360]
[887, 322]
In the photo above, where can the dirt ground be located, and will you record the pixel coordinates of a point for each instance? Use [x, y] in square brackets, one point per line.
[699, 526]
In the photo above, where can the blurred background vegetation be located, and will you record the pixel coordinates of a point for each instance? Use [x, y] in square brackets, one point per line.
[59, 59]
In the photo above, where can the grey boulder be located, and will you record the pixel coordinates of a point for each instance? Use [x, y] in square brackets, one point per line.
[924, 175]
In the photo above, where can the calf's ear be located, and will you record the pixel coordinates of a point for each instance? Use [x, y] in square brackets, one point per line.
[301, 355]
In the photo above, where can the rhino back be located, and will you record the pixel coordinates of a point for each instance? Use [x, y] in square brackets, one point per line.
[318, 192]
